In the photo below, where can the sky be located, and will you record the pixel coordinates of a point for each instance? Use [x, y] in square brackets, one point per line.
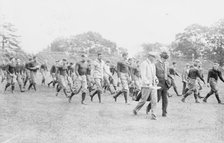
[129, 23]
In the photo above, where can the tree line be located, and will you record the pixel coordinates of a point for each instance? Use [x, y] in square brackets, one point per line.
[196, 41]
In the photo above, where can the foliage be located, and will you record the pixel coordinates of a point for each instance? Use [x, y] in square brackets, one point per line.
[147, 47]
[201, 41]
[9, 38]
[192, 41]
[90, 42]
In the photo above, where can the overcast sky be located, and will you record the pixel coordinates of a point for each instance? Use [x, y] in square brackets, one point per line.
[129, 23]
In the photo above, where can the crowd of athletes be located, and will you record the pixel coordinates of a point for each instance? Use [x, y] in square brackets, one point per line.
[90, 77]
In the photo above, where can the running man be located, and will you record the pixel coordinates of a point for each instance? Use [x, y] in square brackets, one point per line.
[11, 77]
[53, 72]
[19, 70]
[43, 70]
[213, 75]
[123, 74]
[33, 67]
[81, 69]
[98, 72]
[192, 83]
[62, 73]
[173, 74]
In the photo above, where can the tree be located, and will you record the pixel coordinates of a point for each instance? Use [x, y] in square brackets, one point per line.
[90, 42]
[59, 45]
[192, 41]
[215, 43]
[147, 47]
[9, 38]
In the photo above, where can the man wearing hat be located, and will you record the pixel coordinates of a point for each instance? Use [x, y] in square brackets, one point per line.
[162, 73]
[149, 83]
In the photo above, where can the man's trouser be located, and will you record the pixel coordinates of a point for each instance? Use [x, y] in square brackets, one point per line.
[214, 89]
[192, 88]
[162, 93]
[146, 93]
[184, 87]
[107, 83]
[33, 77]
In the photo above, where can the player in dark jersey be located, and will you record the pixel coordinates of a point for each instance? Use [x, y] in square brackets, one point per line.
[53, 72]
[27, 72]
[81, 69]
[123, 74]
[70, 69]
[62, 71]
[90, 81]
[200, 69]
[192, 83]
[43, 70]
[11, 77]
[33, 67]
[213, 75]
[172, 75]
[19, 70]
[113, 81]
[137, 79]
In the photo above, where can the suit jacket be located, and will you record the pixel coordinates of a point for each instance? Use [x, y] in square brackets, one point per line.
[162, 73]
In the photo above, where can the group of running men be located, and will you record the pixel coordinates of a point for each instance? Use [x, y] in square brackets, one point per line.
[94, 77]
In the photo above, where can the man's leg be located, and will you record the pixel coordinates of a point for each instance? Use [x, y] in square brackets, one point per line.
[99, 89]
[8, 83]
[164, 102]
[83, 97]
[208, 95]
[174, 87]
[217, 97]
[94, 93]
[153, 102]
[99, 92]
[196, 96]
[20, 82]
[84, 88]
[13, 86]
[118, 94]
[145, 94]
[189, 92]
[184, 88]
[126, 93]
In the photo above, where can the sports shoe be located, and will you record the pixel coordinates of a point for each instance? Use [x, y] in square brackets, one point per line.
[183, 99]
[153, 117]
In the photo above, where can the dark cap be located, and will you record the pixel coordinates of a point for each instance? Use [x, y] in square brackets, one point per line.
[164, 55]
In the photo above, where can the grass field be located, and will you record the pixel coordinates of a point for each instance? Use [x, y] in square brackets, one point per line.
[41, 117]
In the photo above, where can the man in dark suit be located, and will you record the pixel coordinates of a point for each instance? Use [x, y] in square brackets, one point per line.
[162, 74]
